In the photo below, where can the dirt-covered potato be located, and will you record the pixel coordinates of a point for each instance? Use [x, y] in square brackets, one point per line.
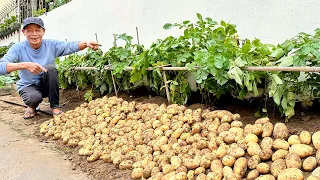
[316, 172]
[316, 140]
[236, 152]
[190, 174]
[265, 154]
[223, 127]
[266, 143]
[257, 129]
[199, 170]
[179, 176]
[201, 176]
[217, 168]
[312, 178]
[309, 163]
[280, 154]
[280, 144]
[240, 166]
[227, 171]
[253, 161]
[238, 133]
[291, 174]
[251, 138]
[277, 167]
[247, 129]
[267, 129]
[253, 174]
[318, 156]
[305, 137]
[237, 124]
[262, 120]
[222, 150]
[263, 168]
[280, 131]
[253, 148]
[293, 161]
[302, 150]
[137, 173]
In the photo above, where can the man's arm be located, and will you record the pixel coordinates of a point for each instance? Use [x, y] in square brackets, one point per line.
[30, 66]
[65, 48]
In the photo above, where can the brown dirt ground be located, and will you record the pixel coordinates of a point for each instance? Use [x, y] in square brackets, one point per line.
[305, 119]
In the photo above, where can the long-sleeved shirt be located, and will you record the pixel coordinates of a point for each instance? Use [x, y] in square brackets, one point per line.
[46, 54]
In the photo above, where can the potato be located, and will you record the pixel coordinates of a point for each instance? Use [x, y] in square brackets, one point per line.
[267, 129]
[248, 129]
[309, 163]
[277, 167]
[237, 124]
[280, 144]
[169, 175]
[191, 163]
[266, 143]
[236, 152]
[253, 174]
[316, 140]
[280, 131]
[175, 161]
[262, 120]
[294, 139]
[293, 161]
[266, 177]
[179, 176]
[238, 133]
[222, 150]
[280, 154]
[305, 137]
[263, 168]
[227, 171]
[265, 154]
[217, 168]
[190, 174]
[253, 148]
[228, 160]
[312, 178]
[240, 166]
[201, 176]
[223, 127]
[318, 156]
[242, 143]
[316, 172]
[291, 174]
[302, 150]
[253, 162]
[233, 176]
[137, 173]
[251, 138]
[199, 170]
[257, 129]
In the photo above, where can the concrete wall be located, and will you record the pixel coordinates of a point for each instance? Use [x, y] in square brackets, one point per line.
[272, 21]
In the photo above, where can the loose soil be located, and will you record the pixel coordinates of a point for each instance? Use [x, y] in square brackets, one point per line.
[11, 115]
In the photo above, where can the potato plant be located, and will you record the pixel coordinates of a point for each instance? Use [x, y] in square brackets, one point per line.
[176, 143]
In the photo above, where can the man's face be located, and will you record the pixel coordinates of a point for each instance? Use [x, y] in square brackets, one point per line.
[34, 34]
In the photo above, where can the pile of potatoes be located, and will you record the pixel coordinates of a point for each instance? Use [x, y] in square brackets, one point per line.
[175, 143]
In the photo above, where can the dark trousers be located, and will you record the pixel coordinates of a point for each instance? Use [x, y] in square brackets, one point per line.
[49, 87]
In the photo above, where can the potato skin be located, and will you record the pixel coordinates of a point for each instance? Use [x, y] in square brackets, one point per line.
[309, 163]
[279, 154]
[305, 137]
[266, 177]
[265, 154]
[316, 140]
[267, 129]
[294, 139]
[217, 168]
[253, 174]
[266, 143]
[253, 162]
[280, 131]
[302, 150]
[277, 167]
[293, 161]
[263, 168]
[291, 174]
[280, 144]
[240, 166]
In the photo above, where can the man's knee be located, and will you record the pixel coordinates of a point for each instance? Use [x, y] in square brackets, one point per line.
[33, 100]
[50, 68]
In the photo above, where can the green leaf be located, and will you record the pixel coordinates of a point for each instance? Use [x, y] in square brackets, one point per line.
[305, 50]
[276, 79]
[279, 52]
[168, 26]
[239, 62]
[224, 24]
[233, 74]
[286, 61]
[199, 17]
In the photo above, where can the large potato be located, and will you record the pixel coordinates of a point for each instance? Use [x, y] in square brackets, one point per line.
[240, 166]
[293, 161]
[305, 137]
[291, 174]
[277, 167]
[316, 140]
[262, 120]
[316, 172]
[302, 150]
[253, 162]
[266, 143]
[280, 131]
[257, 129]
[236, 152]
[309, 163]
[137, 173]
[228, 160]
[294, 139]
[279, 154]
[227, 171]
[267, 129]
[238, 132]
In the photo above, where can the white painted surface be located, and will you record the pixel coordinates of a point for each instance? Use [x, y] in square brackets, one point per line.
[14, 38]
[272, 21]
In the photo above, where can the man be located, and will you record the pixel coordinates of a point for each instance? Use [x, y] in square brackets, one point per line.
[35, 61]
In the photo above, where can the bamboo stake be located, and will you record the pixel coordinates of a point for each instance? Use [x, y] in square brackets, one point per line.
[166, 85]
[289, 69]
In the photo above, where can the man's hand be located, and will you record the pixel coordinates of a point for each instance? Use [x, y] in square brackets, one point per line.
[34, 68]
[93, 45]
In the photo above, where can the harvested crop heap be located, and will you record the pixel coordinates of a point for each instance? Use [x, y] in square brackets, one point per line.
[176, 143]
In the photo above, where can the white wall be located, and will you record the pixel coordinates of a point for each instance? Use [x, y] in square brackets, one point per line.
[272, 21]
[15, 37]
